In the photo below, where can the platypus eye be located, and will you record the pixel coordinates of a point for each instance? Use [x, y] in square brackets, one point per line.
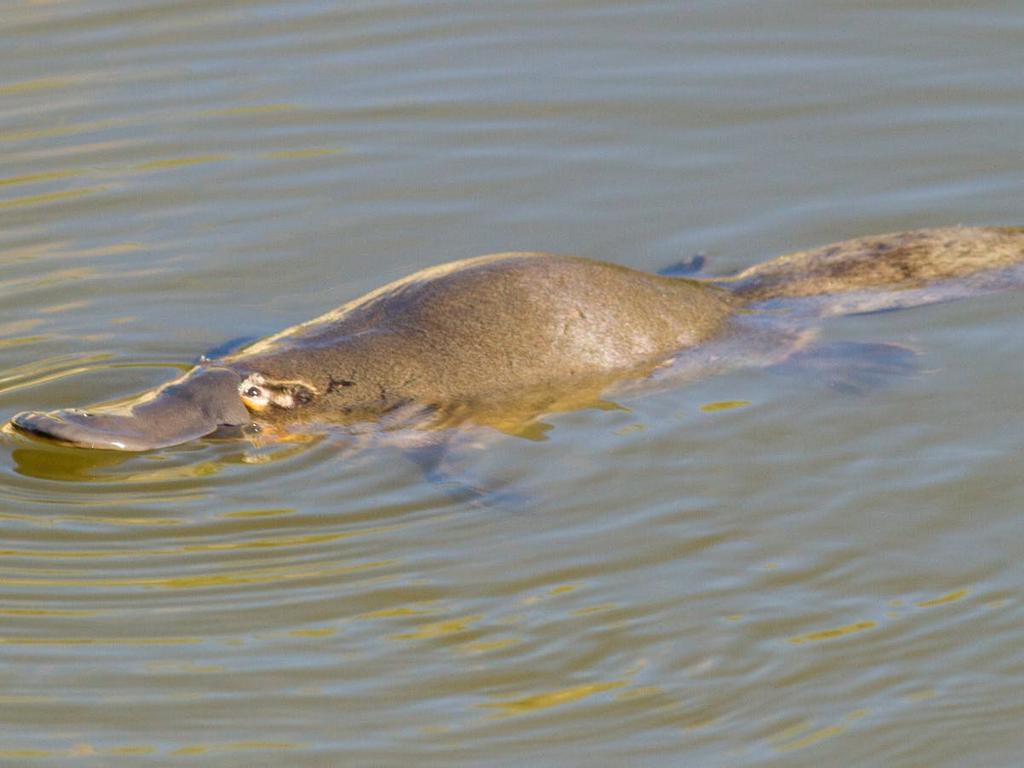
[254, 396]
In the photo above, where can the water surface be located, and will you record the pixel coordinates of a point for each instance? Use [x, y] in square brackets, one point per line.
[751, 570]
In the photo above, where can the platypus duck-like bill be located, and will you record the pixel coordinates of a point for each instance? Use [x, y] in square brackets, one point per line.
[527, 333]
[197, 405]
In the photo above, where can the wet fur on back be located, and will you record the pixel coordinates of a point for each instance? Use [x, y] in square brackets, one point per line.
[977, 258]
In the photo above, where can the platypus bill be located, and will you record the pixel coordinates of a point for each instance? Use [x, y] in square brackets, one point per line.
[501, 340]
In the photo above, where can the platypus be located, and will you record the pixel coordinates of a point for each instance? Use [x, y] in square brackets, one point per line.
[505, 338]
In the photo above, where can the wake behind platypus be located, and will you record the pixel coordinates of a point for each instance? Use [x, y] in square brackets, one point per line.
[501, 340]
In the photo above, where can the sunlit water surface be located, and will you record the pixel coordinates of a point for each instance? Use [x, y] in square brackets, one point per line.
[750, 570]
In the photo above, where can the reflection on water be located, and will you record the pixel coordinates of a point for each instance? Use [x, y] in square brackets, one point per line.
[63, 464]
[748, 570]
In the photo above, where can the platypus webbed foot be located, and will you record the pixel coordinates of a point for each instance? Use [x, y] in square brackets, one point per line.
[685, 267]
[851, 367]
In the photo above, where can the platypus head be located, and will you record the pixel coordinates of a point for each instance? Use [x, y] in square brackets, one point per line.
[201, 402]
[278, 403]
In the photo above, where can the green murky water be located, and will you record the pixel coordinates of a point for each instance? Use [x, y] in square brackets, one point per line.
[751, 570]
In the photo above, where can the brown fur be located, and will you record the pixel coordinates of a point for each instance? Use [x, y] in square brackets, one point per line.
[523, 333]
[893, 262]
[497, 330]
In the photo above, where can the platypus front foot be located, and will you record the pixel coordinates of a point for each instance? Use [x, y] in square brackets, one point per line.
[851, 367]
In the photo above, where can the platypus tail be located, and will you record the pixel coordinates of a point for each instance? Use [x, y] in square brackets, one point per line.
[889, 271]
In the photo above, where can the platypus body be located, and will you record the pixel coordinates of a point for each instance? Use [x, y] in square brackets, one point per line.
[500, 340]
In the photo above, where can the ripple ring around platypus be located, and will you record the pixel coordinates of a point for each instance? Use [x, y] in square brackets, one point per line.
[500, 340]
